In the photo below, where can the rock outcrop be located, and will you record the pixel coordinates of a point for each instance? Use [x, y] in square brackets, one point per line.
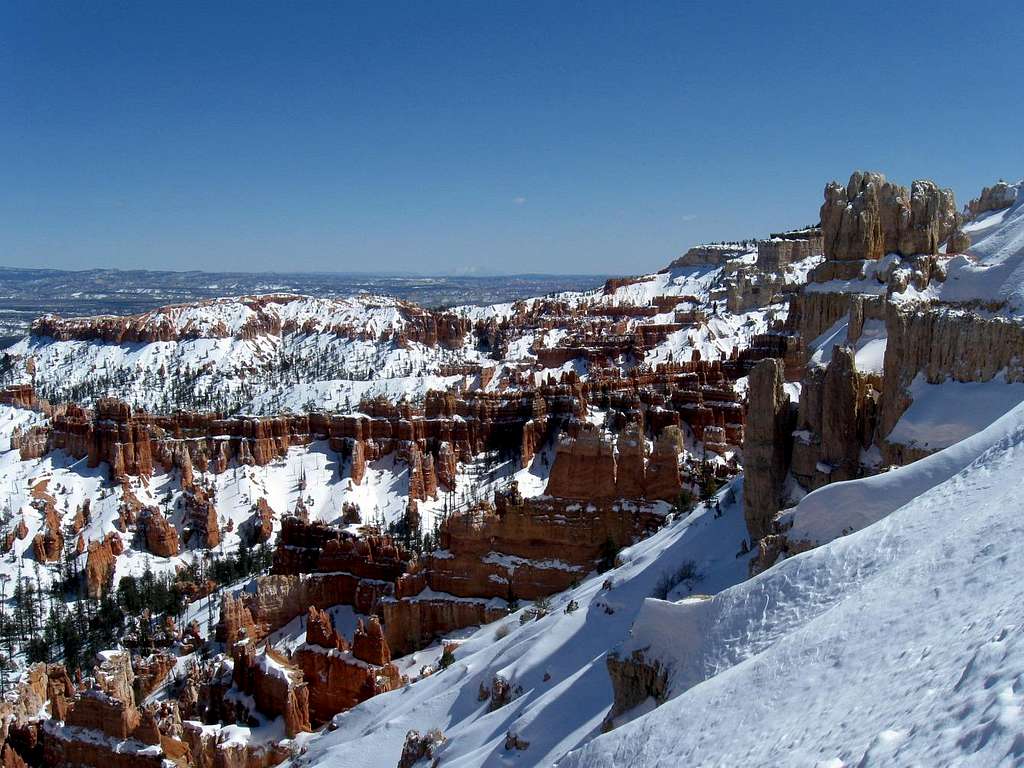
[635, 679]
[714, 254]
[340, 677]
[765, 450]
[100, 562]
[995, 198]
[593, 467]
[276, 685]
[871, 217]
[160, 534]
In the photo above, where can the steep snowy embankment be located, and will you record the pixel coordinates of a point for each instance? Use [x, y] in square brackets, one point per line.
[901, 644]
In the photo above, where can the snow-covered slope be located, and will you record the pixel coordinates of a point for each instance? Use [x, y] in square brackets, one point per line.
[555, 665]
[901, 644]
[997, 242]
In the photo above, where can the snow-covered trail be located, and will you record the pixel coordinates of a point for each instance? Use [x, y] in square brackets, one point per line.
[902, 644]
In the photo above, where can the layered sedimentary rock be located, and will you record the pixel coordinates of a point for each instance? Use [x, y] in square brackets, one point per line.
[530, 547]
[836, 421]
[845, 415]
[591, 466]
[709, 255]
[412, 623]
[584, 467]
[871, 217]
[940, 343]
[263, 521]
[995, 198]
[276, 685]
[341, 676]
[278, 599]
[212, 747]
[47, 546]
[785, 248]
[102, 726]
[765, 450]
[100, 562]
[160, 534]
[202, 519]
[265, 315]
[19, 396]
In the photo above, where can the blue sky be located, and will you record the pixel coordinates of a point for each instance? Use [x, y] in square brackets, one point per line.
[435, 137]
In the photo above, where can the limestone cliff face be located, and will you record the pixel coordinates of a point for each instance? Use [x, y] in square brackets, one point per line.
[765, 449]
[784, 248]
[840, 446]
[812, 313]
[844, 412]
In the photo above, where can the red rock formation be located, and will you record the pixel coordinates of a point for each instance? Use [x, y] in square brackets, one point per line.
[369, 644]
[97, 711]
[63, 747]
[320, 631]
[411, 624]
[83, 516]
[209, 749]
[11, 759]
[151, 672]
[47, 546]
[19, 396]
[584, 467]
[277, 599]
[340, 678]
[147, 732]
[277, 687]
[447, 467]
[663, 471]
[203, 519]
[263, 521]
[161, 535]
[593, 467]
[31, 444]
[99, 565]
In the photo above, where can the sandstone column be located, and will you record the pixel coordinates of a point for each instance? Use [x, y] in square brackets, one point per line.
[765, 455]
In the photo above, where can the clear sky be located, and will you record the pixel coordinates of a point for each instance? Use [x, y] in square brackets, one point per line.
[505, 136]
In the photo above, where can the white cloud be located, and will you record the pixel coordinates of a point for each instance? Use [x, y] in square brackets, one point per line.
[519, 200]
